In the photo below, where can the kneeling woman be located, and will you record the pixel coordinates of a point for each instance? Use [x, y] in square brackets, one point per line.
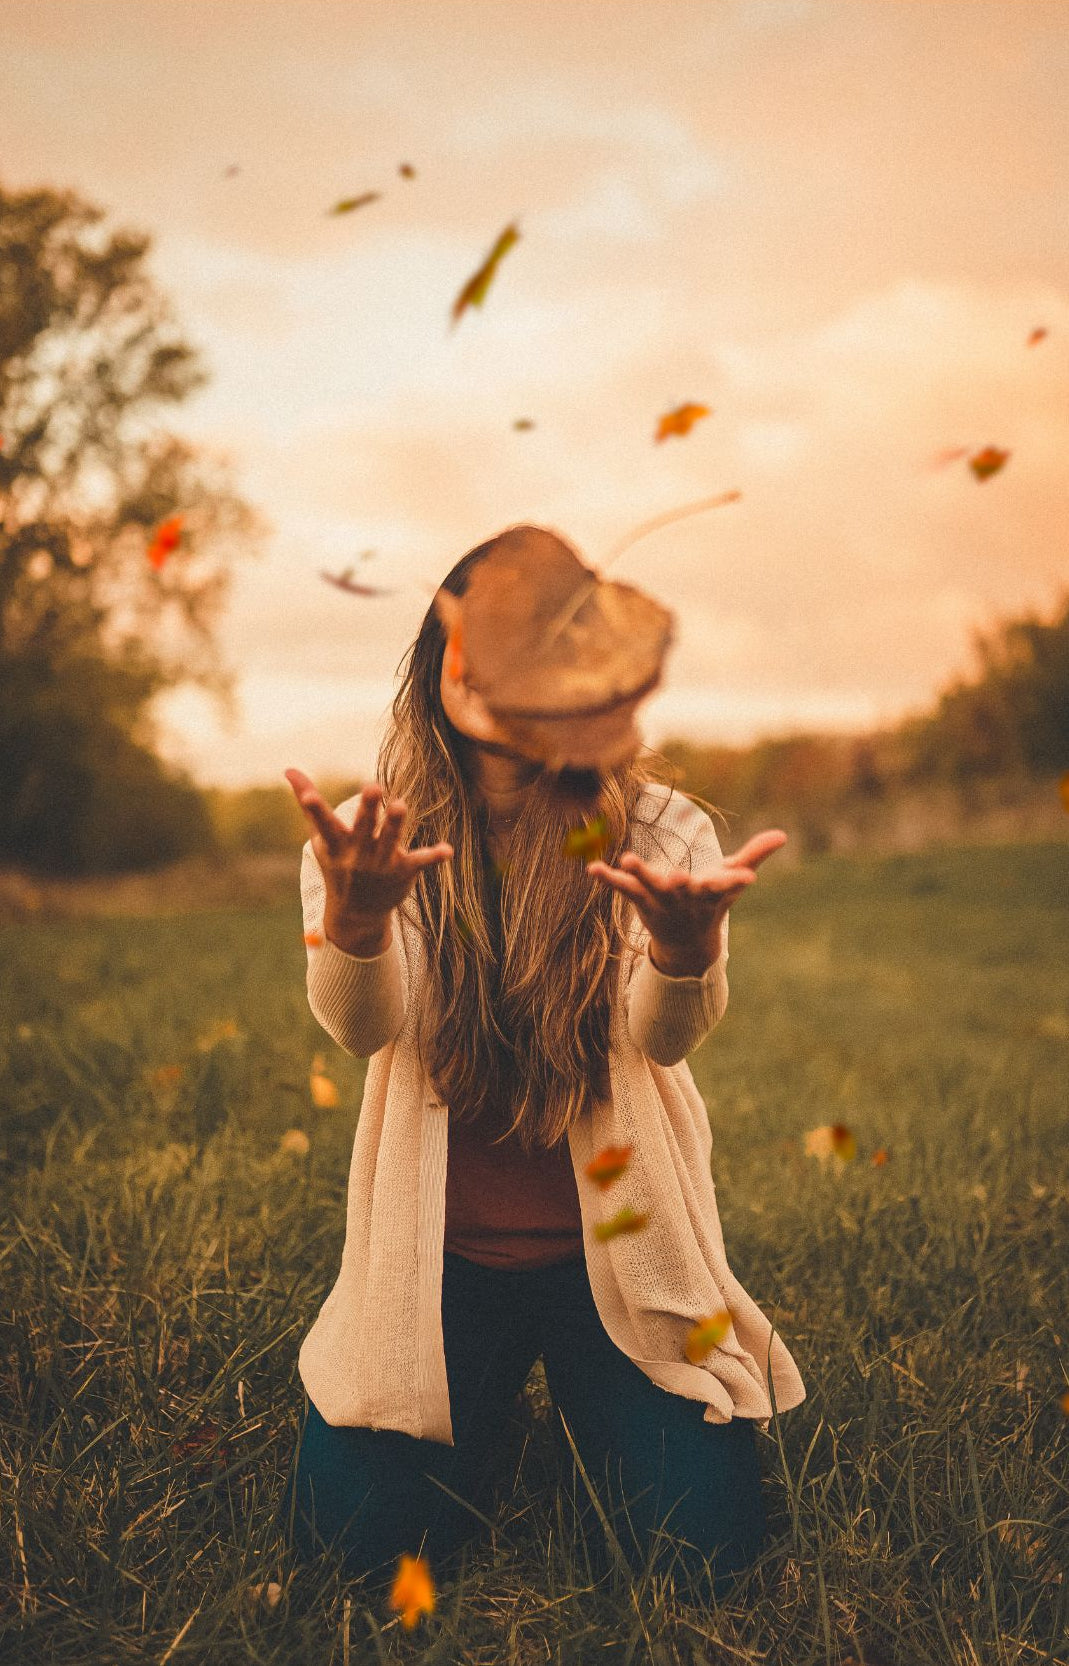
[522, 1011]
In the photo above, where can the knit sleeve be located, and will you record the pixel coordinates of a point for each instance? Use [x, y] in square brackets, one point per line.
[668, 1017]
[360, 1003]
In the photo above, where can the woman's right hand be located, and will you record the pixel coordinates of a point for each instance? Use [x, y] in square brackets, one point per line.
[368, 874]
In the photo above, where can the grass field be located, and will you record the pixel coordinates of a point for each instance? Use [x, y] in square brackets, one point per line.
[161, 1260]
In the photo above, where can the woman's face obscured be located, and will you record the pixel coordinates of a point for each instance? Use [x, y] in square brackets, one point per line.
[467, 712]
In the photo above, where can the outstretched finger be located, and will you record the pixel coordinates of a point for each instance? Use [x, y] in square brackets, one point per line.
[758, 848]
[390, 831]
[330, 829]
[427, 855]
[628, 884]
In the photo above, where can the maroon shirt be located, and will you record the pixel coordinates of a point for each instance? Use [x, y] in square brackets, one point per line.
[505, 1207]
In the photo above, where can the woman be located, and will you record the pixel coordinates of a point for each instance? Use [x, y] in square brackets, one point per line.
[522, 1011]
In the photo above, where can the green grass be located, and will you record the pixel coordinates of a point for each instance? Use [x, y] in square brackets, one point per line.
[160, 1262]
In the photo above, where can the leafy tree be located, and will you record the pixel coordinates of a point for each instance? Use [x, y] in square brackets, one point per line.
[90, 630]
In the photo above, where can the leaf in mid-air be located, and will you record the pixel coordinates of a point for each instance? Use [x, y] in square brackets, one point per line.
[589, 842]
[1063, 788]
[165, 539]
[413, 1590]
[348, 204]
[987, 462]
[625, 1220]
[295, 1142]
[314, 939]
[474, 292]
[1038, 334]
[522, 425]
[951, 454]
[706, 1334]
[407, 171]
[681, 420]
[343, 581]
[879, 1157]
[609, 1164]
[324, 1092]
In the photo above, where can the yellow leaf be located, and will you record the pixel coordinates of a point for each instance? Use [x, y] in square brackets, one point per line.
[324, 1091]
[474, 292]
[625, 1220]
[347, 204]
[706, 1334]
[296, 1142]
[589, 842]
[831, 1141]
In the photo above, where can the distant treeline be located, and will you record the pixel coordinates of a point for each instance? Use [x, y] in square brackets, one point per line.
[986, 740]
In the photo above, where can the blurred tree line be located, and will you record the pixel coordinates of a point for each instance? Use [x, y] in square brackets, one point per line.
[91, 631]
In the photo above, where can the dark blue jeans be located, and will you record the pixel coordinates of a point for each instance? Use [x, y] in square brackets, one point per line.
[677, 1491]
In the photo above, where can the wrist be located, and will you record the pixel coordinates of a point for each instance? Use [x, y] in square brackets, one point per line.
[673, 961]
[365, 938]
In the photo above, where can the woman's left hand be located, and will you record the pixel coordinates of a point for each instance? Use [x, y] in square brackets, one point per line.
[684, 915]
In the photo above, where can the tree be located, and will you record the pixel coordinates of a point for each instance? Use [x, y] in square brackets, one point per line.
[90, 630]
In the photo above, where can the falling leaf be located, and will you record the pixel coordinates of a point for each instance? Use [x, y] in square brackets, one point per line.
[1063, 788]
[232, 171]
[295, 1141]
[953, 454]
[407, 171]
[1038, 334]
[474, 292]
[988, 462]
[681, 420]
[589, 842]
[706, 1334]
[560, 657]
[454, 653]
[625, 1220]
[413, 1590]
[314, 939]
[833, 1141]
[344, 581]
[224, 1030]
[609, 1164]
[25, 1031]
[522, 424]
[879, 1158]
[324, 1091]
[347, 204]
[165, 539]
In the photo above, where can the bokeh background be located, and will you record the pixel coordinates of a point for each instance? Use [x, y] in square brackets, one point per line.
[836, 225]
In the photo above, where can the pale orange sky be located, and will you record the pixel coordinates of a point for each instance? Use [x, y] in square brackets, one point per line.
[835, 224]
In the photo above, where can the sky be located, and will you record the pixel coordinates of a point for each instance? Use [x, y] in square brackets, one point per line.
[834, 224]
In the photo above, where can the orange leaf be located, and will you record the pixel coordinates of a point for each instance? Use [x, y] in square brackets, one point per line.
[1038, 334]
[165, 539]
[706, 1334]
[1064, 1402]
[988, 462]
[879, 1158]
[413, 1590]
[407, 171]
[681, 420]
[324, 1091]
[608, 1165]
[1063, 788]
[474, 292]
[625, 1220]
[314, 939]
[295, 1142]
[835, 1141]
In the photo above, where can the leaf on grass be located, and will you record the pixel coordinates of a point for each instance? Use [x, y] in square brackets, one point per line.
[474, 291]
[413, 1590]
[625, 1220]
[707, 1334]
[165, 540]
[988, 462]
[324, 1091]
[609, 1164]
[833, 1140]
[1064, 1402]
[348, 204]
[295, 1141]
[681, 420]
[559, 656]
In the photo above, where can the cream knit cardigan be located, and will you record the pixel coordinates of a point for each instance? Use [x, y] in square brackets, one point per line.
[375, 1355]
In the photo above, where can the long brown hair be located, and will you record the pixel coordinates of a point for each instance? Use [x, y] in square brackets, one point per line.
[521, 1013]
